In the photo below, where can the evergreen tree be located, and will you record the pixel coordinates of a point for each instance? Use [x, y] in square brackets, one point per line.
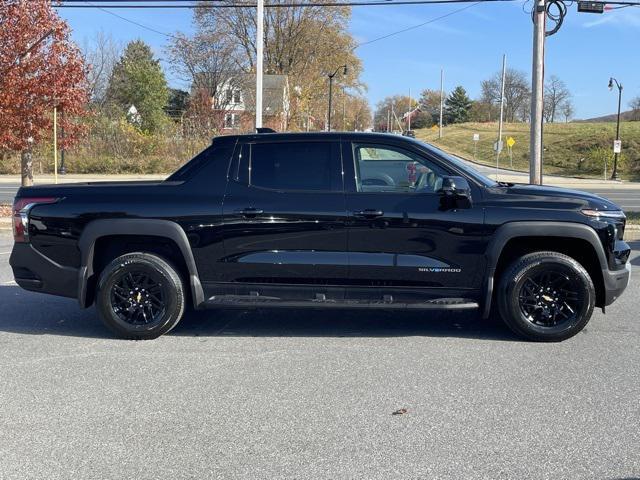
[138, 79]
[457, 106]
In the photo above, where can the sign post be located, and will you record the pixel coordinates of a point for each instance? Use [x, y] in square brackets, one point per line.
[510, 143]
[476, 139]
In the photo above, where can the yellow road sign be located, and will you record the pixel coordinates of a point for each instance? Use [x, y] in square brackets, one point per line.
[511, 142]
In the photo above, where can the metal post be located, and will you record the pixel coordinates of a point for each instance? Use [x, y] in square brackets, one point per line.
[330, 97]
[409, 116]
[614, 172]
[259, 61]
[344, 110]
[55, 144]
[537, 94]
[499, 145]
[63, 170]
[441, 101]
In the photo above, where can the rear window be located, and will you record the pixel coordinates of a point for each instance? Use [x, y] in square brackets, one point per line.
[296, 166]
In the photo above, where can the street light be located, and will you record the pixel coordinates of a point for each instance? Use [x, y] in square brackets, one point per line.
[614, 173]
[331, 75]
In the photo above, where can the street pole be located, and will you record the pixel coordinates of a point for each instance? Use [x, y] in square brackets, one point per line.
[331, 75]
[63, 170]
[614, 171]
[344, 110]
[55, 144]
[409, 116]
[330, 97]
[537, 94]
[441, 101]
[499, 144]
[259, 61]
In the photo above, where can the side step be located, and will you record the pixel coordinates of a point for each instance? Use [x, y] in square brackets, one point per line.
[249, 301]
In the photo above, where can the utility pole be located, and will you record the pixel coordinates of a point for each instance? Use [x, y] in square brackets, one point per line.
[259, 60]
[537, 94]
[344, 110]
[331, 75]
[441, 101]
[499, 143]
[63, 169]
[55, 144]
[409, 115]
[614, 172]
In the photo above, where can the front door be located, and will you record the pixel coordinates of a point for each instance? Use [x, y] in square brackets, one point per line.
[401, 231]
[284, 214]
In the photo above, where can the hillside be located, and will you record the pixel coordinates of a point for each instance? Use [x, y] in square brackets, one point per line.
[575, 149]
[629, 115]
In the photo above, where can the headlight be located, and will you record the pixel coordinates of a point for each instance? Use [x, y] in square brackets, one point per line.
[604, 213]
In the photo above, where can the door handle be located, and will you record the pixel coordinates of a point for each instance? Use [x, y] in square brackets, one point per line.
[250, 212]
[368, 213]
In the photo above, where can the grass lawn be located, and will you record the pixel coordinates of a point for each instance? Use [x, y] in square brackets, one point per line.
[573, 149]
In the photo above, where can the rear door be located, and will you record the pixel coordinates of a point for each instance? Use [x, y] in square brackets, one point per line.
[401, 232]
[284, 214]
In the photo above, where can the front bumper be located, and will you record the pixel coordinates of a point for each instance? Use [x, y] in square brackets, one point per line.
[38, 273]
[615, 283]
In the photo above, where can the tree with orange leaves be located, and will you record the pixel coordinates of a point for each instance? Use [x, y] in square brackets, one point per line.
[40, 68]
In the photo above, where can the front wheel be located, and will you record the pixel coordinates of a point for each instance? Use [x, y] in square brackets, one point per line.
[140, 296]
[546, 297]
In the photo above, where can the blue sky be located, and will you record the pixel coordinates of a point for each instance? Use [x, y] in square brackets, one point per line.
[468, 45]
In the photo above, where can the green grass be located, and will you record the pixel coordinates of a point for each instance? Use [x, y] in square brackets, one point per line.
[573, 149]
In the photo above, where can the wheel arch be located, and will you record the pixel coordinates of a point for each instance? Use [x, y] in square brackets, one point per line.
[162, 229]
[550, 231]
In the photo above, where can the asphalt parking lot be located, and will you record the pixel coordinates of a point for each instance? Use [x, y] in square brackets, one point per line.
[309, 395]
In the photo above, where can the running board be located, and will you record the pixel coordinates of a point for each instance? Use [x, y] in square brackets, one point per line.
[248, 301]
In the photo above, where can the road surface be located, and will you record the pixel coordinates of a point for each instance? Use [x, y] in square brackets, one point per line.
[309, 395]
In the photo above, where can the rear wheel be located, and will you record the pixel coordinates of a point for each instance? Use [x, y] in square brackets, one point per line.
[140, 296]
[546, 297]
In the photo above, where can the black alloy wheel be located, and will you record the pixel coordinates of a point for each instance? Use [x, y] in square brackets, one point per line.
[545, 296]
[140, 296]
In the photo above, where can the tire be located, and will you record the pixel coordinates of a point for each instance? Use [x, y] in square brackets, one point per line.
[140, 296]
[546, 297]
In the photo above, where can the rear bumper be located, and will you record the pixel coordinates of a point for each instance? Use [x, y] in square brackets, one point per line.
[615, 282]
[38, 273]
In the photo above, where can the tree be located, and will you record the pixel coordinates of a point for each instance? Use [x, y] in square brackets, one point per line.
[457, 106]
[430, 104]
[40, 68]
[556, 94]
[100, 55]
[389, 112]
[635, 108]
[567, 110]
[178, 103]
[137, 79]
[304, 43]
[517, 94]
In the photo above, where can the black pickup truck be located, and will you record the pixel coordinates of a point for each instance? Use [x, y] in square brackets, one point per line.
[326, 220]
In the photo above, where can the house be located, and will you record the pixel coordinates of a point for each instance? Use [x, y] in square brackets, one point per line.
[237, 102]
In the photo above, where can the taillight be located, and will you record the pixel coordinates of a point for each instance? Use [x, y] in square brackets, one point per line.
[21, 207]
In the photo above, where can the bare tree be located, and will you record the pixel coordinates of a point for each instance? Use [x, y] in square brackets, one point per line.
[101, 54]
[304, 43]
[635, 108]
[567, 110]
[517, 93]
[556, 94]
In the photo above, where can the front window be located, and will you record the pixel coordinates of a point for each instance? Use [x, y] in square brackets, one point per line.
[389, 169]
[231, 120]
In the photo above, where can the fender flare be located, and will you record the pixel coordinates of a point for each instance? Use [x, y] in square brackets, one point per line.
[129, 226]
[512, 230]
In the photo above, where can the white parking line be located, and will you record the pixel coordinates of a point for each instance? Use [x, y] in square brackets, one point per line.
[9, 283]
[5, 253]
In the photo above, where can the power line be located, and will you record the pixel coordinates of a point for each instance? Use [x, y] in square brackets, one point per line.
[413, 27]
[168, 35]
[134, 4]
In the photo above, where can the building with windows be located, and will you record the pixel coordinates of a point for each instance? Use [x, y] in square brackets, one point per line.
[237, 103]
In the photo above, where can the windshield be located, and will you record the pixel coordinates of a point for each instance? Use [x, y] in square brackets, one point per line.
[460, 165]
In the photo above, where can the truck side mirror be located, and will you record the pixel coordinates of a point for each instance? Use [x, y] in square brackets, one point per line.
[456, 192]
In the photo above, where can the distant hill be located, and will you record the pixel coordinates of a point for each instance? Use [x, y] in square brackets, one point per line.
[575, 149]
[624, 116]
